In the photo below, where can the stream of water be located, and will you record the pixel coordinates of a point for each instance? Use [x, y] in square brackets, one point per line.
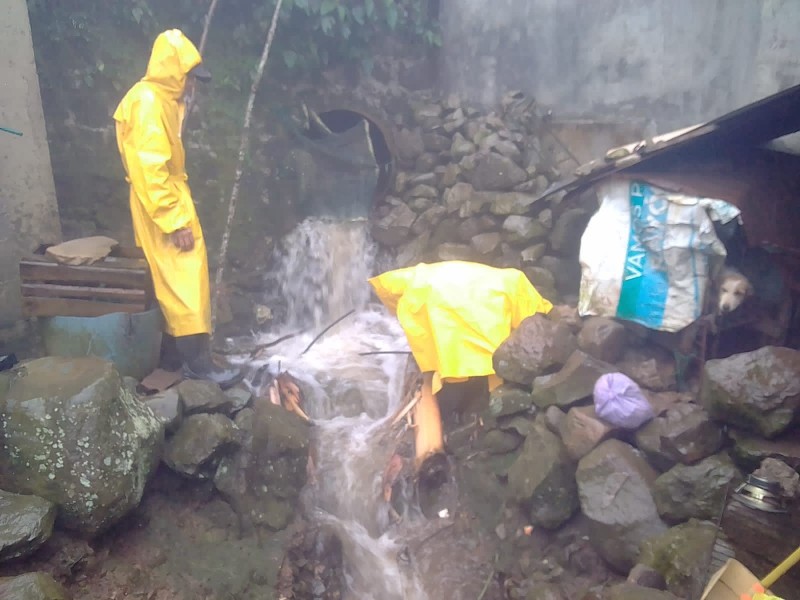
[350, 398]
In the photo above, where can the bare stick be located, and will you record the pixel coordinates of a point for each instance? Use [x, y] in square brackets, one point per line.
[223, 250]
[201, 49]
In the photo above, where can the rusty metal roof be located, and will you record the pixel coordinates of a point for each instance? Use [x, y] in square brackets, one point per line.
[752, 125]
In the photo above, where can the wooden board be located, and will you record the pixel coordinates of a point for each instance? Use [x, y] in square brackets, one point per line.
[42, 272]
[73, 307]
[51, 290]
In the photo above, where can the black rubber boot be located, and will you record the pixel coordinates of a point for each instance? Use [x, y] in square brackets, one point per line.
[171, 359]
[198, 363]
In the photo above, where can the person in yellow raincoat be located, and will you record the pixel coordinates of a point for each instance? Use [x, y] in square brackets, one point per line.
[148, 126]
[455, 314]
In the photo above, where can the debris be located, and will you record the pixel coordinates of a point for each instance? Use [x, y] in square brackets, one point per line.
[159, 380]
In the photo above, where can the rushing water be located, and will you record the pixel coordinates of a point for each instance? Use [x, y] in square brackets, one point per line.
[349, 396]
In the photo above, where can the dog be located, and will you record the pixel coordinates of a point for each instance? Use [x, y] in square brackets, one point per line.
[733, 289]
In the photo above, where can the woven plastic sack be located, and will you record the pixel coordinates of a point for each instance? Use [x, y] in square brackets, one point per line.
[620, 402]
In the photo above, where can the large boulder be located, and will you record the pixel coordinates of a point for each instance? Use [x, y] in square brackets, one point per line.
[76, 437]
[25, 524]
[572, 384]
[263, 479]
[602, 338]
[538, 346]
[682, 556]
[543, 479]
[683, 434]
[198, 396]
[615, 485]
[32, 586]
[652, 367]
[494, 172]
[199, 443]
[758, 391]
[582, 430]
[698, 491]
[749, 449]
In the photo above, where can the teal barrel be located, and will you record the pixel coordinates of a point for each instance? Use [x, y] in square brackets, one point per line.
[132, 341]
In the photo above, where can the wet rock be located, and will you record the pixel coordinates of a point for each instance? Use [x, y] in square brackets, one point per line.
[631, 591]
[615, 486]
[485, 243]
[428, 220]
[683, 434]
[239, 397]
[758, 391]
[522, 230]
[494, 172]
[749, 450]
[461, 147]
[651, 367]
[25, 524]
[648, 577]
[203, 397]
[450, 175]
[568, 315]
[414, 251]
[697, 491]
[566, 272]
[509, 400]
[543, 479]
[457, 196]
[420, 204]
[167, 408]
[512, 203]
[455, 252]
[423, 191]
[497, 441]
[74, 436]
[775, 470]
[681, 555]
[554, 419]
[568, 230]
[435, 142]
[532, 254]
[199, 443]
[603, 339]
[408, 145]
[395, 227]
[581, 430]
[545, 591]
[536, 347]
[542, 280]
[572, 384]
[263, 479]
[473, 226]
[32, 586]
[426, 162]
[428, 115]
[427, 179]
[455, 121]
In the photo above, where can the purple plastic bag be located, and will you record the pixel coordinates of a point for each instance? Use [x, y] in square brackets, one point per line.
[620, 402]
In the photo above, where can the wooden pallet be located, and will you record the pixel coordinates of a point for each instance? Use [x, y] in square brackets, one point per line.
[119, 283]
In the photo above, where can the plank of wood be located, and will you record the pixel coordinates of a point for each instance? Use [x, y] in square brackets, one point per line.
[50, 290]
[40, 272]
[62, 307]
[127, 252]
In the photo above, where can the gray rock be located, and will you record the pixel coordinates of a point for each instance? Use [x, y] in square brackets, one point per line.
[32, 586]
[461, 147]
[543, 280]
[472, 226]
[582, 430]
[26, 522]
[450, 175]
[757, 391]
[568, 230]
[494, 172]
[572, 384]
[423, 179]
[239, 397]
[512, 203]
[167, 408]
[457, 196]
[428, 220]
[428, 115]
[203, 397]
[683, 434]
[545, 591]
[475, 204]
[263, 479]
[631, 591]
[199, 442]
[615, 487]
[536, 347]
[778, 471]
[455, 121]
[395, 227]
[408, 145]
[532, 254]
[419, 205]
[697, 491]
[681, 555]
[497, 441]
[566, 272]
[523, 230]
[435, 142]
[554, 418]
[485, 243]
[602, 338]
[423, 191]
[647, 577]
[414, 251]
[74, 436]
[652, 367]
[427, 161]
[508, 400]
[455, 252]
[543, 479]
[749, 449]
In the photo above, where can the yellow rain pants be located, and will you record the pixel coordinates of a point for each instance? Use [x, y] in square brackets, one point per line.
[148, 122]
[455, 314]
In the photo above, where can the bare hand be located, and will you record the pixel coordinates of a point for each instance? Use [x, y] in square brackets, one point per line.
[183, 239]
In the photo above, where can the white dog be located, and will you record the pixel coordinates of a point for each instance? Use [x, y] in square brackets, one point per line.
[733, 289]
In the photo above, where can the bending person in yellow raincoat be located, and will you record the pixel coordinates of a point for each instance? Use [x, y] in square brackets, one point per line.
[148, 123]
[455, 314]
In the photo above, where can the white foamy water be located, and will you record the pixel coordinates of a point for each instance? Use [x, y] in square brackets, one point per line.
[349, 396]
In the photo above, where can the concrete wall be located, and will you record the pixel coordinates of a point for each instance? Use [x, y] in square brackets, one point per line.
[674, 62]
[28, 210]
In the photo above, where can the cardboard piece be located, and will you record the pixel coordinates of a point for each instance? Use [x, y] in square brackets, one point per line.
[730, 582]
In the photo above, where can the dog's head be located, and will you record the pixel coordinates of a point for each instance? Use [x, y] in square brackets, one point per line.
[734, 288]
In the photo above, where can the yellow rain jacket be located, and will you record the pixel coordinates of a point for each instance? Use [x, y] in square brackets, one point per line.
[148, 124]
[455, 314]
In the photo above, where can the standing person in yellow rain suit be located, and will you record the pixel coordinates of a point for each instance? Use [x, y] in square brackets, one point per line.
[148, 122]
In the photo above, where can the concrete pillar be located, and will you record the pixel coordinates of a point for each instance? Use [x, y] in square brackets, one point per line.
[28, 209]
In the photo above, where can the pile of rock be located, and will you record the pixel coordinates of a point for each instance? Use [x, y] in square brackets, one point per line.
[467, 190]
[650, 497]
